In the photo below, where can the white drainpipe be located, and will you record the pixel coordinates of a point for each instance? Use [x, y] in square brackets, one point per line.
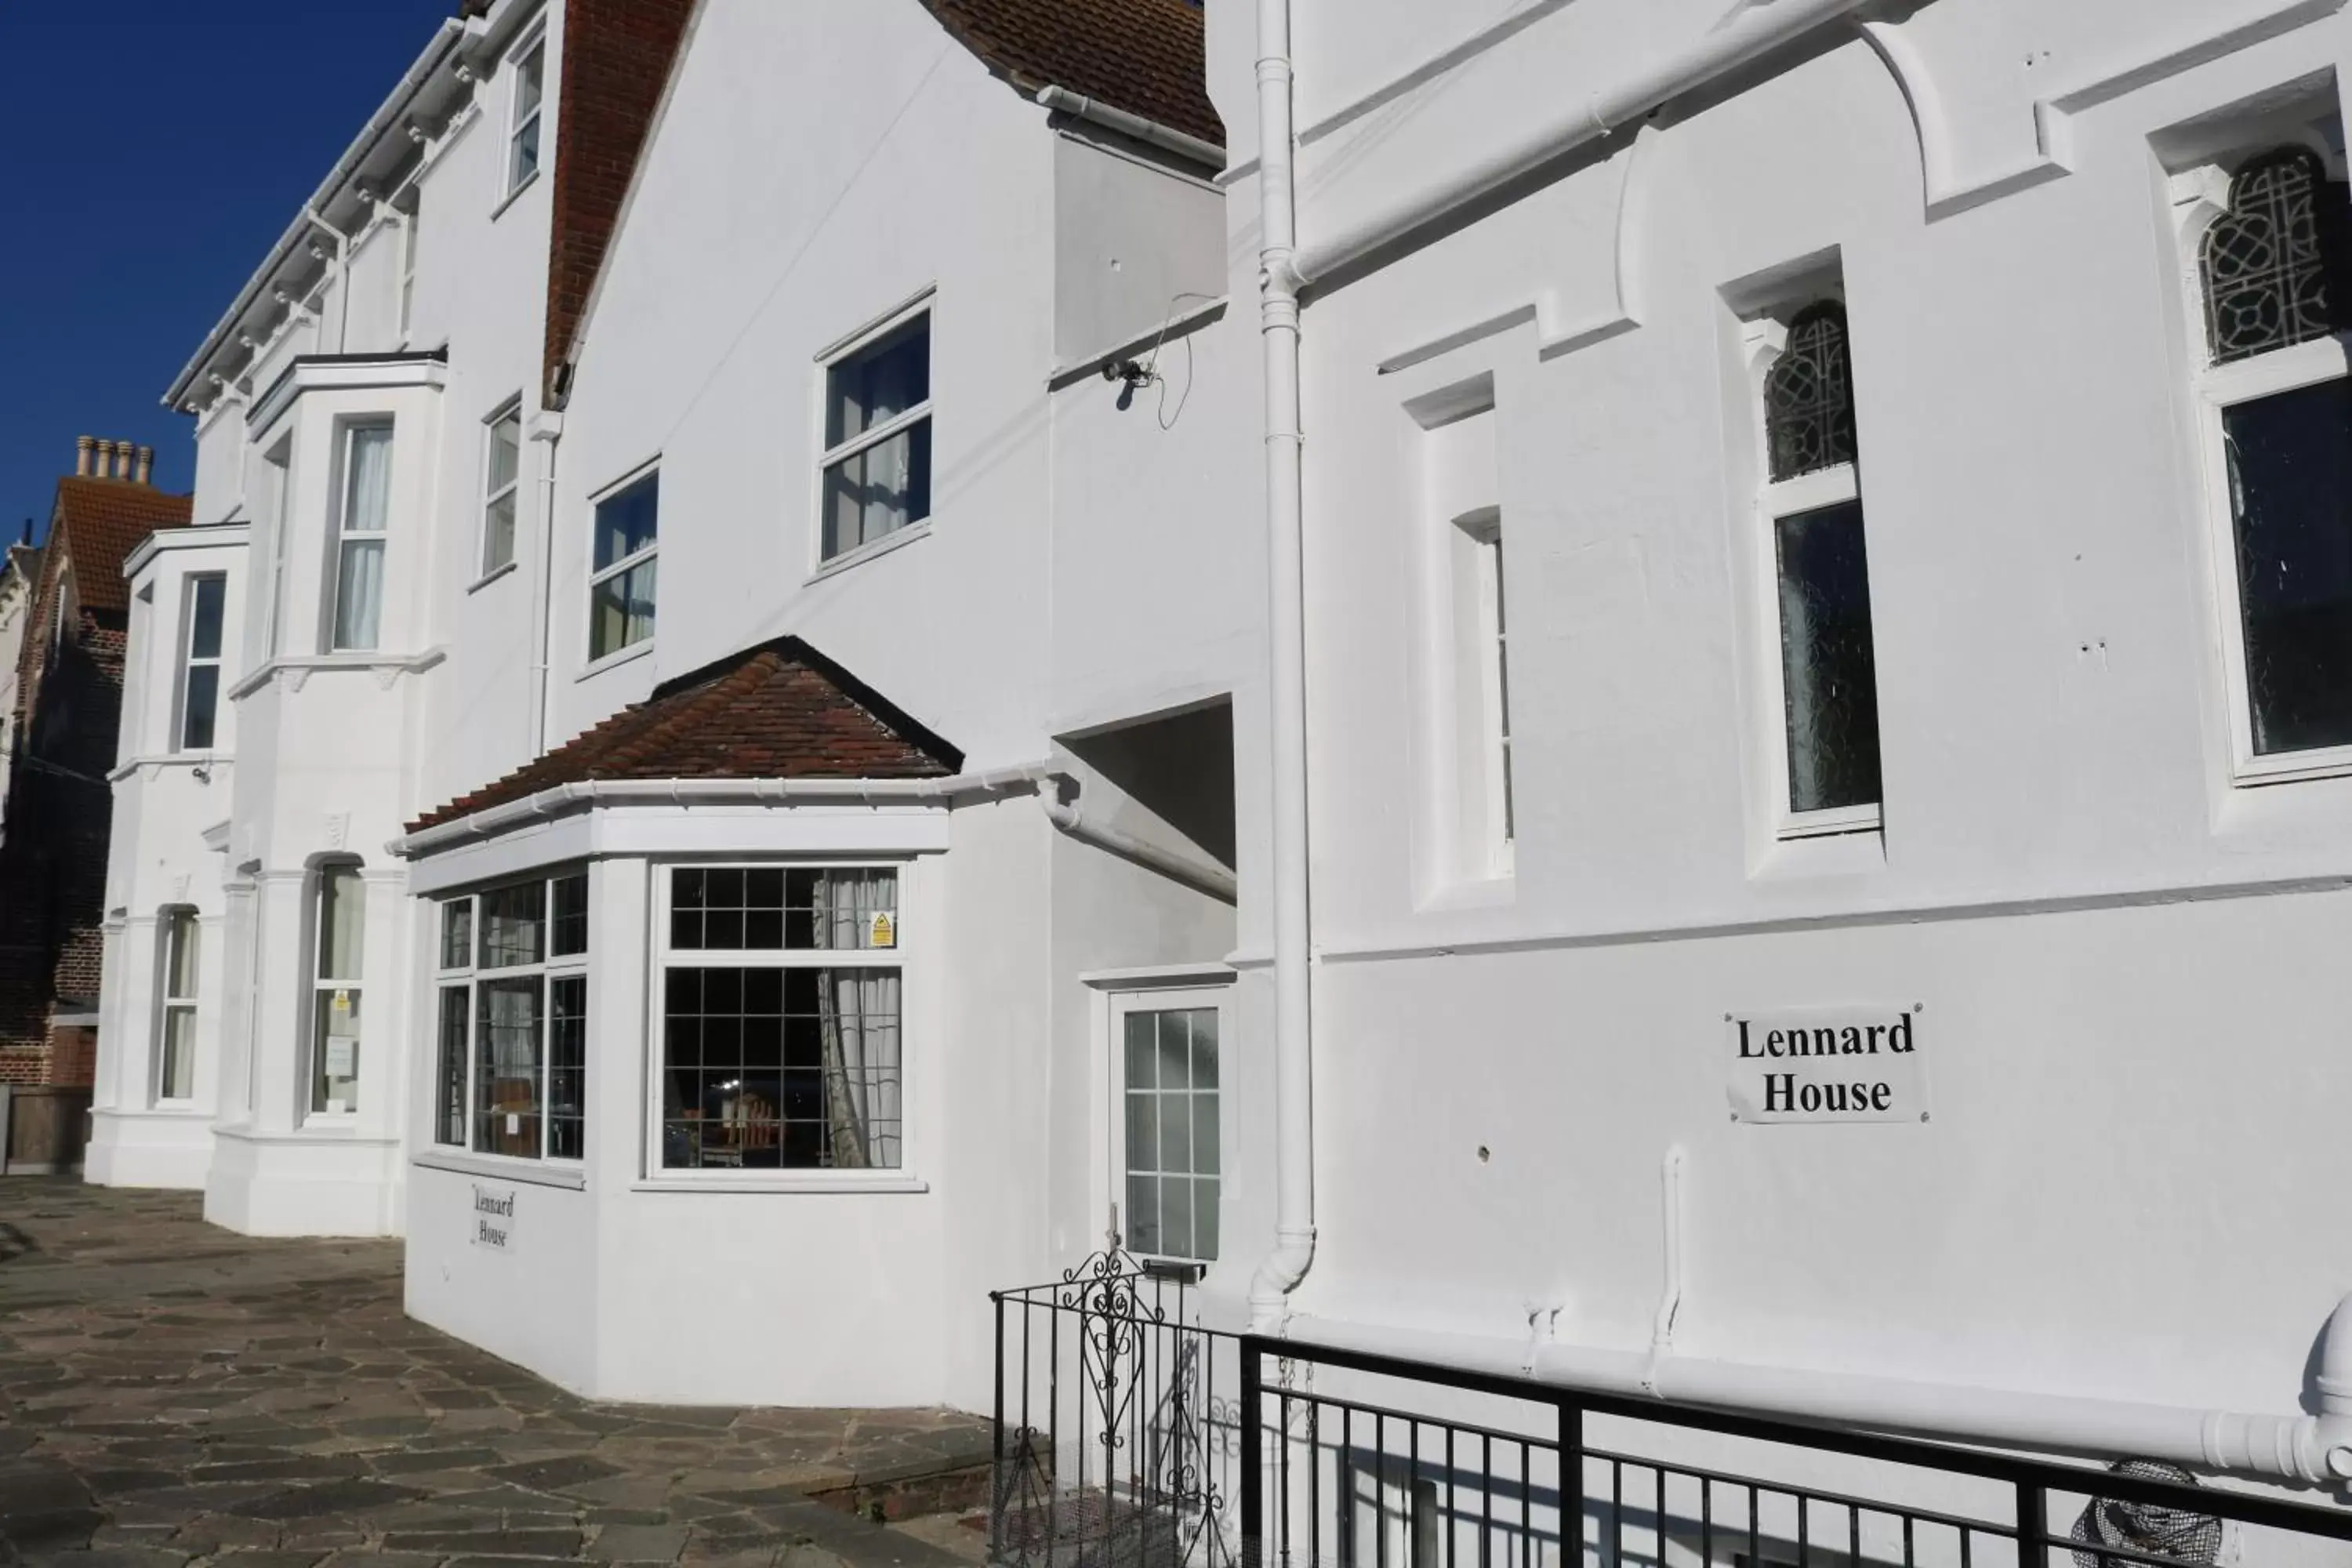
[2309, 1450]
[1294, 1067]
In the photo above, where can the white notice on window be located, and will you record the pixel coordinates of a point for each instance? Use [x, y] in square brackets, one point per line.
[342, 1054]
[1827, 1064]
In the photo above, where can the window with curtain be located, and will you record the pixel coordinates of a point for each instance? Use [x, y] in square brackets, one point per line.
[339, 935]
[523, 134]
[511, 1016]
[622, 578]
[1821, 574]
[175, 1077]
[200, 661]
[2275, 408]
[781, 994]
[363, 522]
[501, 476]
[876, 466]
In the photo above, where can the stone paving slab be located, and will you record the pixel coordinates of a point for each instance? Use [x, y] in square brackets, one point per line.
[172, 1394]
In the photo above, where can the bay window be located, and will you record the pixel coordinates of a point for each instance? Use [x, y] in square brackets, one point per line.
[781, 997]
[511, 1020]
[361, 525]
[876, 471]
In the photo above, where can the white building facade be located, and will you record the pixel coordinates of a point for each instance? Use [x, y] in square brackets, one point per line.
[863, 758]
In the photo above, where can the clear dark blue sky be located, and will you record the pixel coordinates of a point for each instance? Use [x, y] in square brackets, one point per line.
[160, 147]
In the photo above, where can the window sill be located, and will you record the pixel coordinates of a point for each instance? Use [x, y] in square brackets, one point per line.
[513, 196]
[2292, 767]
[1829, 824]
[865, 552]
[491, 1167]
[488, 577]
[785, 1182]
[596, 667]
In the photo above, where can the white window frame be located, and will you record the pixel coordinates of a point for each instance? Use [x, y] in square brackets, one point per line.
[512, 491]
[519, 120]
[900, 955]
[405, 284]
[281, 524]
[317, 1106]
[347, 437]
[831, 356]
[2201, 198]
[1778, 500]
[1488, 643]
[1217, 996]
[168, 1003]
[470, 977]
[597, 576]
[190, 662]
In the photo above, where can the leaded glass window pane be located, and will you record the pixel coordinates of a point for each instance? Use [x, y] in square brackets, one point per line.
[2274, 264]
[781, 1069]
[567, 1066]
[449, 1077]
[506, 1067]
[1808, 396]
[1828, 667]
[512, 932]
[2291, 497]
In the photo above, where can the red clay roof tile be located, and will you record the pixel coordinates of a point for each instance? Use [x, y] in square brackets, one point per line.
[1147, 56]
[779, 711]
[102, 522]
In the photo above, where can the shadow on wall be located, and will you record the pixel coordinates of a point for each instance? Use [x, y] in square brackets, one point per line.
[1179, 767]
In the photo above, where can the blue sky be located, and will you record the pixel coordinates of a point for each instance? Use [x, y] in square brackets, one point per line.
[160, 147]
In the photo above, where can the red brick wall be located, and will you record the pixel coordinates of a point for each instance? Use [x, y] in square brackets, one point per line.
[617, 58]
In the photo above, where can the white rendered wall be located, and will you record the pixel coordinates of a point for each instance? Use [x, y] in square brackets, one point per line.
[2129, 1068]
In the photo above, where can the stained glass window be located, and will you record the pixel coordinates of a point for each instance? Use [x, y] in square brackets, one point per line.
[2274, 264]
[1809, 395]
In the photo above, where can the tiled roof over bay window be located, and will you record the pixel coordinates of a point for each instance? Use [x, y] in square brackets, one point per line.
[779, 711]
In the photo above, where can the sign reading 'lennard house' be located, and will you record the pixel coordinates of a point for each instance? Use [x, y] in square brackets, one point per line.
[1827, 1064]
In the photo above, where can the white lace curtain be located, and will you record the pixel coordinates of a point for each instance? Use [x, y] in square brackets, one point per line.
[857, 1014]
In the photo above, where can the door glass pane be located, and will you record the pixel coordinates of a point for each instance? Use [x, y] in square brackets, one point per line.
[1142, 1130]
[1143, 1054]
[1826, 659]
[1143, 1232]
[1171, 1132]
[2290, 463]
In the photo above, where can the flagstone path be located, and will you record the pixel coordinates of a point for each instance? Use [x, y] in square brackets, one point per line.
[172, 1394]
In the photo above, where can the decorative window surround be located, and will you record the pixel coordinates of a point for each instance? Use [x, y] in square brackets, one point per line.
[2265, 249]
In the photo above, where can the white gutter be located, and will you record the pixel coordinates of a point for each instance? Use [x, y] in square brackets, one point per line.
[2309, 1449]
[562, 800]
[1759, 30]
[1062, 100]
[436, 52]
[1294, 1067]
[1200, 875]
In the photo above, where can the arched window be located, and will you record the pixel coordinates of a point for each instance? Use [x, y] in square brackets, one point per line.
[2274, 264]
[1809, 395]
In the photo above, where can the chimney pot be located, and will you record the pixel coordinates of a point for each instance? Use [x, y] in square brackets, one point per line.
[82, 445]
[123, 459]
[105, 470]
[146, 464]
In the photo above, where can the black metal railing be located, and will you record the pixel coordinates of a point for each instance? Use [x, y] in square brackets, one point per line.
[1129, 1434]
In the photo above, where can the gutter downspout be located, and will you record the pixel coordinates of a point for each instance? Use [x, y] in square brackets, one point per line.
[1192, 149]
[1278, 283]
[1758, 32]
[343, 278]
[1200, 875]
[547, 433]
